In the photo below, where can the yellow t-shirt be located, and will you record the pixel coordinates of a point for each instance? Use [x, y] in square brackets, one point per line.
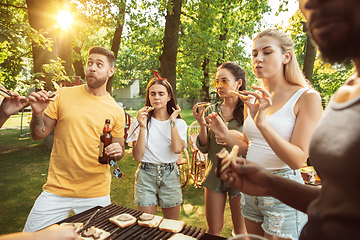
[74, 170]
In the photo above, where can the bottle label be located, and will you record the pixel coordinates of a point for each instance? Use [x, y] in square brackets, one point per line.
[101, 149]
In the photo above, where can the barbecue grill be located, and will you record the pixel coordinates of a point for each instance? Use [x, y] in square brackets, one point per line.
[133, 232]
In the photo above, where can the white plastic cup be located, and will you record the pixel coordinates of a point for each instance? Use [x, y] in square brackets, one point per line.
[247, 237]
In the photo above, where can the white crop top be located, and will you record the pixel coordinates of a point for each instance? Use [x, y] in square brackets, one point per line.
[283, 121]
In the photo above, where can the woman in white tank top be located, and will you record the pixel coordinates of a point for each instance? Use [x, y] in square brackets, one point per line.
[280, 120]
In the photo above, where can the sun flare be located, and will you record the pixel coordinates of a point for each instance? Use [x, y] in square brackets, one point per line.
[64, 19]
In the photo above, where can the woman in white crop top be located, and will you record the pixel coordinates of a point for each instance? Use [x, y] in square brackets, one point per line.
[158, 136]
[280, 120]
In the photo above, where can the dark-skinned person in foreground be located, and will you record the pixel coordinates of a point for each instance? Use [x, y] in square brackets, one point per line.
[333, 210]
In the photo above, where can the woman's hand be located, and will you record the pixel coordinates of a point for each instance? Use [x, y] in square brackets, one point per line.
[198, 113]
[217, 125]
[141, 117]
[258, 108]
[175, 113]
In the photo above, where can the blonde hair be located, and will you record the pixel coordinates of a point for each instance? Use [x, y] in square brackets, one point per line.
[292, 71]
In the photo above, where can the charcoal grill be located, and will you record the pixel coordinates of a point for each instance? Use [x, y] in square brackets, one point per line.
[133, 232]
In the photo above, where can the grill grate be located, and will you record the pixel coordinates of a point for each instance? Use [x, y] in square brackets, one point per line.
[133, 232]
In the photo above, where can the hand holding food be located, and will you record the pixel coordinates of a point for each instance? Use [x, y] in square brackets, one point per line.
[224, 159]
[149, 109]
[40, 100]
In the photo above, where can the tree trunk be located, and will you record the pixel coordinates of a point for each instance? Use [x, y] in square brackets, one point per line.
[117, 40]
[64, 50]
[171, 41]
[310, 55]
[41, 18]
[78, 64]
[205, 95]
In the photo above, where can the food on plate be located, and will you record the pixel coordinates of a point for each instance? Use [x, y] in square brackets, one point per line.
[123, 220]
[203, 104]
[241, 95]
[149, 109]
[77, 226]
[224, 159]
[149, 220]
[180, 236]
[169, 225]
[94, 233]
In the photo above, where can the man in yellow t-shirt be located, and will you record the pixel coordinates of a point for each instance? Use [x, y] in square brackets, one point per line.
[76, 180]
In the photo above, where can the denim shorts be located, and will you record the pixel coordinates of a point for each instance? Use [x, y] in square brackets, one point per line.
[157, 184]
[277, 218]
[225, 188]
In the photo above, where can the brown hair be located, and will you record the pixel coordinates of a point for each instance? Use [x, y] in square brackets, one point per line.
[103, 51]
[238, 73]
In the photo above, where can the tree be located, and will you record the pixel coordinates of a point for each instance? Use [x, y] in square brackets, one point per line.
[171, 41]
[117, 38]
[40, 14]
[213, 32]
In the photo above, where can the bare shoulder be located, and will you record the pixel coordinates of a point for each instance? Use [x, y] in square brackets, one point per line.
[309, 102]
[310, 97]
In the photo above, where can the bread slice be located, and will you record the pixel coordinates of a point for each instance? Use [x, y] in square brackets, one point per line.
[151, 223]
[169, 225]
[103, 234]
[123, 223]
[180, 236]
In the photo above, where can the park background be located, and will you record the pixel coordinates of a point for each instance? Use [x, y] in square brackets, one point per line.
[40, 48]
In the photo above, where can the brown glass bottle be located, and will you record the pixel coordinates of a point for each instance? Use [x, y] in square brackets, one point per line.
[105, 140]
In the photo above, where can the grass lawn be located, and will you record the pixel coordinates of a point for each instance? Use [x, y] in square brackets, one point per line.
[24, 165]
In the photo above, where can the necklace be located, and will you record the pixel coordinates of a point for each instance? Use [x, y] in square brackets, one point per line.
[221, 111]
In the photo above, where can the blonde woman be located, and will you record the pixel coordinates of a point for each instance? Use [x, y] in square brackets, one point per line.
[279, 122]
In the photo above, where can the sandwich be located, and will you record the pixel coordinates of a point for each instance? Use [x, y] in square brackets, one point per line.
[241, 95]
[149, 220]
[94, 233]
[203, 104]
[123, 220]
[224, 159]
[149, 109]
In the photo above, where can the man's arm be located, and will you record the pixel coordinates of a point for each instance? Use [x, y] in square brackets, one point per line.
[255, 180]
[292, 193]
[40, 125]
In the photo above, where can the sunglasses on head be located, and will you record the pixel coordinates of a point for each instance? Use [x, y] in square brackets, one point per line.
[117, 172]
[224, 82]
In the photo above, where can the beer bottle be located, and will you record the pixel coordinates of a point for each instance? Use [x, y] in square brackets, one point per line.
[105, 140]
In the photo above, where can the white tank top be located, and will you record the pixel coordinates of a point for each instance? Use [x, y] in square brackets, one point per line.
[283, 121]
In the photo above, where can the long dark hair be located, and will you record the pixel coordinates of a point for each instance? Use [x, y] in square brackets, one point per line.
[238, 73]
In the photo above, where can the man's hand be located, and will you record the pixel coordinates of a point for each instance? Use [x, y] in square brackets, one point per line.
[57, 232]
[114, 150]
[248, 177]
[39, 101]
